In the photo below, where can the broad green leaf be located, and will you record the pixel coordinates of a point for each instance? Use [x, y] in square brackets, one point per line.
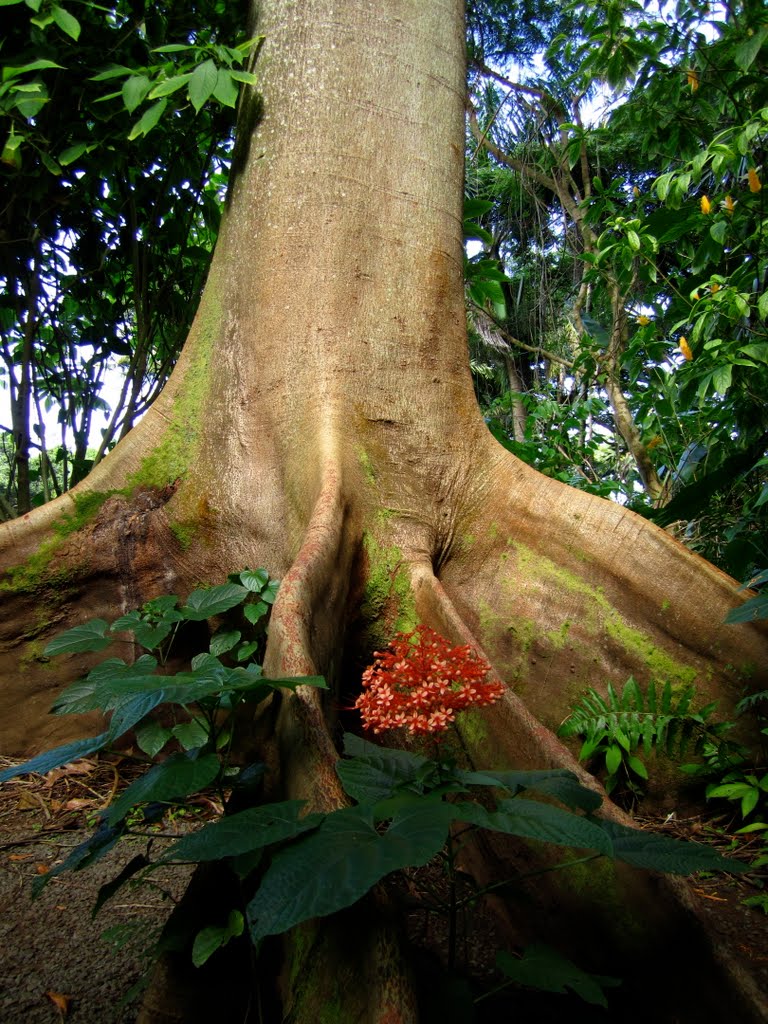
[248, 830]
[87, 853]
[134, 91]
[533, 820]
[543, 968]
[752, 609]
[176, 777]
[209, 939]
[169, 86]
[148, 120]
[36, 65]
[67, 22]
[50, 164]
[721, 378]
[223, 642]
[202, 604]
[151, 737]
[613, 758]
[51, 759]
[151, 637]
[758, 351]
[637, 766]
[335, 866]
[245, 651]
[634, 240]
[172, 48]
[255, 610]
[656, 852]
[88, 637]
[252, 579]
[476, 207]
[225, 90]
[113, 71]
[132, 710]
[374, 773]
[72, 153]
[746, 52]
[762, 305]
[559, 783]
[718, 231]
[369, 780]
[202, 84]
[293, 681]
[191, 734]
[246, 77]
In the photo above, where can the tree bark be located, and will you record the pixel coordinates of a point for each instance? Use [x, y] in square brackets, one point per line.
[321, 422]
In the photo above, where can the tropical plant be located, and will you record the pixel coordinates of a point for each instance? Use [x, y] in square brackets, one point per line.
[616, 725]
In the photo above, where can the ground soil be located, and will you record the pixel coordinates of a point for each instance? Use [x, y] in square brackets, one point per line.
[57, 965]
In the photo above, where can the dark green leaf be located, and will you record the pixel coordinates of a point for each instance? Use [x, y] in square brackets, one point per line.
[656, 852]
[208, 940]
[243, 832]
[152, 737]
[134, 90]
[148, 120]
[51, 759]
[176, 777]
[202, 83]
[533, 820]
[543, 968]
[202, 604]
[335, 866]
[67, 22]
[88, 637]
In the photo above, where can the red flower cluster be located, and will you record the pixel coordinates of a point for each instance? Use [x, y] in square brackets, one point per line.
[420, 682]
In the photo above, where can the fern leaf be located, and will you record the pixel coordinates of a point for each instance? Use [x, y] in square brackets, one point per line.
[651, 697]
[684, 701]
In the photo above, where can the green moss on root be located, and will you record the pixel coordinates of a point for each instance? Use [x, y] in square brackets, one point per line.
[37, 571]
[175, 453]
[388, 604]
[600, 615]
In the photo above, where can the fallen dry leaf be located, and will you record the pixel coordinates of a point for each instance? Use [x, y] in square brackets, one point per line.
[19, 856]
[79, 803]
[60, 1001]
[42, 869]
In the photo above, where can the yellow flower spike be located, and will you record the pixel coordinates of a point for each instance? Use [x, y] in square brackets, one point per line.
[729, 204]
[706, 206]
[692, 77]
[654, 442]
[696, 296]
[685, 348]
[754, 181]
[714, 288]
[643, 320]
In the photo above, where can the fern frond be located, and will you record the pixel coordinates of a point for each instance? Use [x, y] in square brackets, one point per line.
[660, 719]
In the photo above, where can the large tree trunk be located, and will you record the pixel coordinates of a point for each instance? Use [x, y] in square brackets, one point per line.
[321, 422]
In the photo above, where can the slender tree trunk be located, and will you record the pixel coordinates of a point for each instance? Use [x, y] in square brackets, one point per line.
[321, 422]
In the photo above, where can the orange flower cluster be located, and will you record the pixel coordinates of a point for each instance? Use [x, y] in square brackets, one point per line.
[420, 682]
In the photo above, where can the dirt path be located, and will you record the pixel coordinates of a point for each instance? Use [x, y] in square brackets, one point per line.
[54, 963]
